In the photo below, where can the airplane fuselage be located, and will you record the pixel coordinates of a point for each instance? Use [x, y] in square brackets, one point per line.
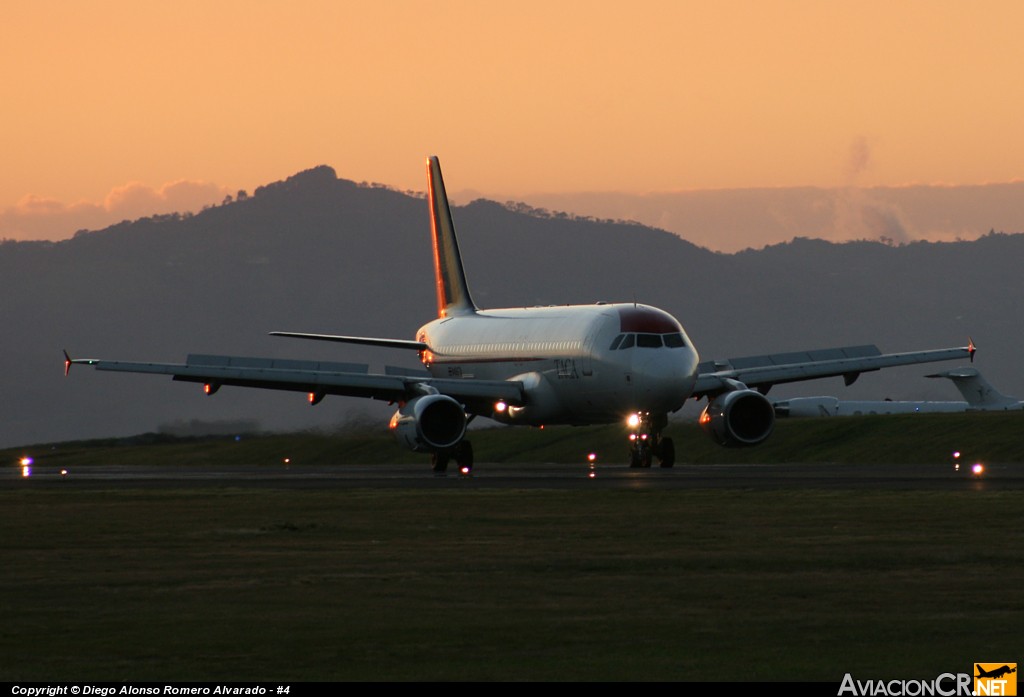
[578, 363]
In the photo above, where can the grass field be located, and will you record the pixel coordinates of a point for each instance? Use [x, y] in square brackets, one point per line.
[912, 438]
[471, 584]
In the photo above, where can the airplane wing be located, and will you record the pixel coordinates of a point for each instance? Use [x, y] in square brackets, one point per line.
[762, 372]
[364, 340]
[318, 378]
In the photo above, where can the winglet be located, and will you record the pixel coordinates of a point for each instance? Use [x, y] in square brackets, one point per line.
[452, 290]
[69, 361]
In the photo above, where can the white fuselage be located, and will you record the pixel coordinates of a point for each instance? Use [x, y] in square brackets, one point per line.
[578, 363]
[833, 406]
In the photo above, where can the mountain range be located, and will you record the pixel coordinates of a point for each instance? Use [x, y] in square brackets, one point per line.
[322, 254]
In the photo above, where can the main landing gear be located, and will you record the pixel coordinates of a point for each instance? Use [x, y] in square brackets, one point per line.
[646, 442]
[461, 453]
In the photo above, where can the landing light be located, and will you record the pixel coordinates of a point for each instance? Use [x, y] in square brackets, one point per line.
[464, 470]
[977, 469]
[633, 421]
[500, 407]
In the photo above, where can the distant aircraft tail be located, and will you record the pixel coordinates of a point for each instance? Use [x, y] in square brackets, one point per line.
[452, 291]
[976, 389]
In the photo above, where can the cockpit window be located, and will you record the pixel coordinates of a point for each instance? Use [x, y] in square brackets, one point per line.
[627, 341]
[674, 340]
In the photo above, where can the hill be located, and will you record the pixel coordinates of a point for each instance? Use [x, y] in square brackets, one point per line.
[323, 254]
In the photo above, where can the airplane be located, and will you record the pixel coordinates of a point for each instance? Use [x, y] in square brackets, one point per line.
[572, 364]
[978, 393]
[995, 672]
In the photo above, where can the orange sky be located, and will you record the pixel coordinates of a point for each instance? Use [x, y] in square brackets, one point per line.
[173, 102]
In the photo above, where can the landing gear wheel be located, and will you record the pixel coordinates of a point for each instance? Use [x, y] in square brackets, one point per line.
[668, 453]
[634, 459]
[464, 457]
[439, 461]
[646, 458]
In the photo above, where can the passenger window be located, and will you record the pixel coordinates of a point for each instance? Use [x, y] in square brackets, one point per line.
[627, 342]
[616, 342]
[674, 340]
[648, 340]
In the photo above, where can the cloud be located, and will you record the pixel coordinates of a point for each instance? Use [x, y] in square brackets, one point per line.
[39, 218]
[861, 215]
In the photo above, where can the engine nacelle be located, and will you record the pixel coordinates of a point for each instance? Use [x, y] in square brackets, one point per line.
[430, 423]
[738, 418]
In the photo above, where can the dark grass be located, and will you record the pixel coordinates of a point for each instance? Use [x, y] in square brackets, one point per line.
[913, 438]
[230, 584]
[365, 584]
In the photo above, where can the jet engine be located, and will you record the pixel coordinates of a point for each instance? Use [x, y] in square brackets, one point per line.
[430, 423]
[739, 418]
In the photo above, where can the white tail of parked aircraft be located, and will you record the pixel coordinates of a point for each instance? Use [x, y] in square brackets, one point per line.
[580, 364]
[978, 393]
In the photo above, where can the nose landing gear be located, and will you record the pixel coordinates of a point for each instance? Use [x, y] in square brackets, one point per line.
[647, 443]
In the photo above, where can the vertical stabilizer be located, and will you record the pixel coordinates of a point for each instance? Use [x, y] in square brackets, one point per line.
[452, 291]
[977, 390]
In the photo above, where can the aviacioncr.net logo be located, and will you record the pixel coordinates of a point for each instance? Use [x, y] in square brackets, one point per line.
[945, 685]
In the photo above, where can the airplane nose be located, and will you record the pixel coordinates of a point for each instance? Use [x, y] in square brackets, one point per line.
[662, 380]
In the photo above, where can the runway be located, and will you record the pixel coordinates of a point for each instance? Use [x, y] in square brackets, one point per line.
[522, 476]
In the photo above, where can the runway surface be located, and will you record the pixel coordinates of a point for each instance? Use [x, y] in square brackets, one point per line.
[523, 476]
